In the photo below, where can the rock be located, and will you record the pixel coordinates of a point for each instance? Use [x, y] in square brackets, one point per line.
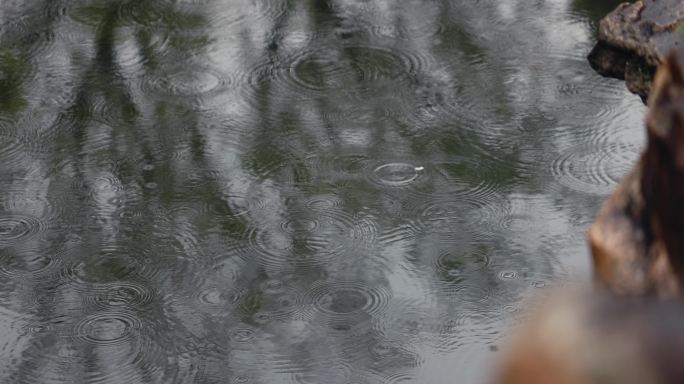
[592, 337]
[662, 181]
[617, 332]
[636, 240]
[635, 38]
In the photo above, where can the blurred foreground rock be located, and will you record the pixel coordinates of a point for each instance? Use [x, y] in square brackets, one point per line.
[594, 338]
[637, 240]
[635, 38]
[630, 328]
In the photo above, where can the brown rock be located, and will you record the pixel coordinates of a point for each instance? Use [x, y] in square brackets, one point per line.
[637, 239]
[594, 338]
[634, 39]
[662, 183]
[620, 334]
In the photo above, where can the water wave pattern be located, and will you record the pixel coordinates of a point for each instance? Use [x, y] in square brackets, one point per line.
[30, 264]
[12, 152]
[594, 169]
[16, 228]
[274, 191]
[121, 294]
[305, 241]
[240, 14]
[108, 266]
[345, 305]
[189, 82]
[354, 71]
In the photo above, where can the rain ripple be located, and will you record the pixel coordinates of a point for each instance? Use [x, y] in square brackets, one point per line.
[447, 216]
[215, 297]
[311, 74]
[271, 304]
[594, 169]
[437, 180]
[306, 239]
[28, 264]
[465, 329]
[120, 294]
[128, 346]
[323, 202]
[343, 303]
[12, 152]
[107, 266]
[30, 30]
[455, 264]
[15, 228]
[331, 69]
[400, 378]
[397, 174]
[400, 31]
[242, 334]
[108, 328]
[188, 81]
[240, 12]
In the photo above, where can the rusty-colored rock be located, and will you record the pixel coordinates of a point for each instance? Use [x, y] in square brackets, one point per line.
[637, 240]
[635, 38]
[662, 183]
[592, 338]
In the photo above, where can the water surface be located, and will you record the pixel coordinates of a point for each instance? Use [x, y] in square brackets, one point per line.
[293, 191]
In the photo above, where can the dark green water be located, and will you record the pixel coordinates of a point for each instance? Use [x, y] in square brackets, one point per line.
[264, 191]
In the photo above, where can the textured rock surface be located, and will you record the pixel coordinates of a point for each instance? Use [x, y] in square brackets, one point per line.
[636, 241]
[635, 38]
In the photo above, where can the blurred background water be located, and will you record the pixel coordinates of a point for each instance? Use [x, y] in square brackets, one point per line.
[293, 191]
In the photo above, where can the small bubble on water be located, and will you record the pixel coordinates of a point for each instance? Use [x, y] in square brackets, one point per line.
[508, 275]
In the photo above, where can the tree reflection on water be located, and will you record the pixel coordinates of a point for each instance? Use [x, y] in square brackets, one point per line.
[331, 191]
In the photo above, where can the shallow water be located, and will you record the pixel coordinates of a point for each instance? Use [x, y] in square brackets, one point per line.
[264, 191]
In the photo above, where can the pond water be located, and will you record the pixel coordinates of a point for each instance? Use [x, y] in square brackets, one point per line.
[295, 191]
